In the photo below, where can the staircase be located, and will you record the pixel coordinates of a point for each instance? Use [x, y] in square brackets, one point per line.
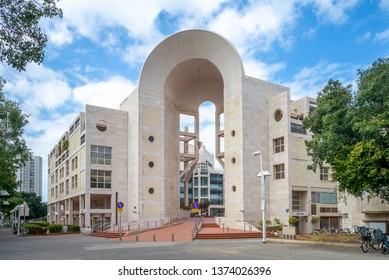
[225, 235]
[108, 234]
[214, 231]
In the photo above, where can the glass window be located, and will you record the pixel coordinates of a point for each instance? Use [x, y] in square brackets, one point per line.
[279, 171]
[295, 201]
[324, 173]
[101, 155]
[204, 192]
[196, 192]
[278, 145]
[100, 179]
[297, 128]
[204, 181]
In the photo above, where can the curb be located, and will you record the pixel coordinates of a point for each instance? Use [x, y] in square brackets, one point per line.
[305, 242]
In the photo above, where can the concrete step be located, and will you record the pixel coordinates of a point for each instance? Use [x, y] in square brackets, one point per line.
[229, 235]
[210, 225]
[106, 234]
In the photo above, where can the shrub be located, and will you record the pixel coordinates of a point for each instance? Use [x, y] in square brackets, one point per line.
[35, 229]
[293, 220]
[55, 228]
[41, 224]
[74, 228]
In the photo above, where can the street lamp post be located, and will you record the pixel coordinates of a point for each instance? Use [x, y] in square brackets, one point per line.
[263, 174]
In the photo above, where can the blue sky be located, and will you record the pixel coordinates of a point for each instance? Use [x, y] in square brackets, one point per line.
[95, 52]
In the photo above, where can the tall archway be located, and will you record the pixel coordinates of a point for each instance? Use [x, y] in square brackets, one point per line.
[180, 73]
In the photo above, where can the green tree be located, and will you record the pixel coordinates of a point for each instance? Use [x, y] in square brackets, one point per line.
[21, 38]
[37, 208]
[13, 148]
[350, 132]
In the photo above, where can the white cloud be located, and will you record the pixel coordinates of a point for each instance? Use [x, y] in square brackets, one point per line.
[57, 32]
[261, 70]
[382, 36]
[256, 27]
[334, 11]
[39, 87]
[310, 80]
[363, 38]
[384, 4]
[107, 94]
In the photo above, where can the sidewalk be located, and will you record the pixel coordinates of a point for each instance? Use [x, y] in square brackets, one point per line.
[183, 232]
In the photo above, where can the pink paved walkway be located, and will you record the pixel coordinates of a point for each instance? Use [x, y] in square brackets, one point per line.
[182, 232]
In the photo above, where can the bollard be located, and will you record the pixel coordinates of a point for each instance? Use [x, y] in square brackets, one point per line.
[136, 238]
[154, 237]
[172, 237]
[244, 225]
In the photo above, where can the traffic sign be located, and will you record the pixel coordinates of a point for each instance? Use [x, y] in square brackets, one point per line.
[120, 205]
[195, 205]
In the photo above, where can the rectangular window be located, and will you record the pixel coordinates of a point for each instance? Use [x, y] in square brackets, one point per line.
[67, 186]
[82, 139]
[75, 181]
[204, 192]
[100, 179]
[279, 171]
[204, 181]
[101, 155]
[324, 173]
[278, 145]
[196, 192]
[329, 198]
[298, 128]
[295, 201]
[67, 168]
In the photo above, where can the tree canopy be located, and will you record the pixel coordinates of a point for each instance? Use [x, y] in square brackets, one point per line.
[21, 39]
[350, 132]
[13, 148]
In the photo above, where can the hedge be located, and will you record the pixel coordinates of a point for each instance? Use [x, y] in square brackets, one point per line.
[55, 228]
[73, 228]
[34, 228]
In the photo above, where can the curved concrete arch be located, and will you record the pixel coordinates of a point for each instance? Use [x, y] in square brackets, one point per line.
[186, 45]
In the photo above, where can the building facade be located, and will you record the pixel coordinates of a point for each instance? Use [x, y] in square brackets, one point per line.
[206, 185]
[138, 154]
[29, 176]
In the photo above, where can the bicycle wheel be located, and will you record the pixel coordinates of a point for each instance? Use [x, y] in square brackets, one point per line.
[384, 249]
[365, 246]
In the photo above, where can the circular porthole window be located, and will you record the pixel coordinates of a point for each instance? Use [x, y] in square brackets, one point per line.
[151, 138]
[278, 115]
[233, 160]
[233, 188]
[233, 133]
[151, 190]
[101, 125]
[151, 164]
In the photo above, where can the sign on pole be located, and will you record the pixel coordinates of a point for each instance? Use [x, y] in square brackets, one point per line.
[119, 206]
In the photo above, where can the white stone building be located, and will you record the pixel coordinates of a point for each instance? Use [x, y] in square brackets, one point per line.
[29, 176]
[133, 155]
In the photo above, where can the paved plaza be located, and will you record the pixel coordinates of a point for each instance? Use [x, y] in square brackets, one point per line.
[81, 247]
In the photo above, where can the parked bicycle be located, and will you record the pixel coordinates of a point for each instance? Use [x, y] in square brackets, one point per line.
[385, 245]
[372, 239]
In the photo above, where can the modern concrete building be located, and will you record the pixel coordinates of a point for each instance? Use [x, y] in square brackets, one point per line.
[138, 154]
[206, 185]
[371, 212]
[29, 176]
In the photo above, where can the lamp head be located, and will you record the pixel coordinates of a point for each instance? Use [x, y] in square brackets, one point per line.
[256, 153]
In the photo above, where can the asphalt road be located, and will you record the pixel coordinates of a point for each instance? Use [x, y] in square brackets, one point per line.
[80, 247]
